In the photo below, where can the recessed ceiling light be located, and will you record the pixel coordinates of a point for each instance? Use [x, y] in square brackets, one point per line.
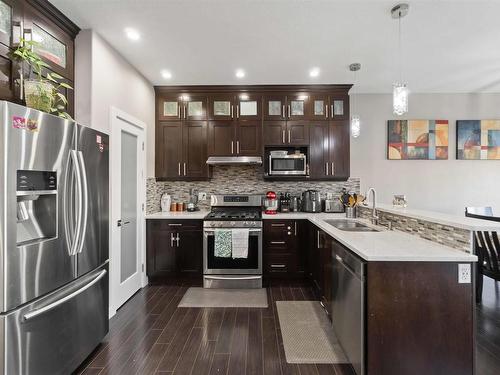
[132, 34]
[314, 72]
[240, 73]
[166, 74]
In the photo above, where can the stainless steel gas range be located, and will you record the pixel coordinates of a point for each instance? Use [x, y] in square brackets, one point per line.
[228, 213]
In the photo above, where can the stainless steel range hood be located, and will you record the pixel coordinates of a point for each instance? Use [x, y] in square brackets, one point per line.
[234, 160]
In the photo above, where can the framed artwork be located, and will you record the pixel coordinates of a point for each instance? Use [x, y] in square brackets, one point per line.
[417, 140]
[478, 139]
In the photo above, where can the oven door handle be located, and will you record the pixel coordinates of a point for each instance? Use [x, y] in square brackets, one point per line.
[232, 278]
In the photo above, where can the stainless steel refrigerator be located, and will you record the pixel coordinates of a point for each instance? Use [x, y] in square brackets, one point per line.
[54, 241]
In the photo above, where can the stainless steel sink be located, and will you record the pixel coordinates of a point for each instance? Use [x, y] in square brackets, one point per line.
[350, 225]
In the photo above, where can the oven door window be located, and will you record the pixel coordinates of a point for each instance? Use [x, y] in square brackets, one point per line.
[287, 165]
[249, 263]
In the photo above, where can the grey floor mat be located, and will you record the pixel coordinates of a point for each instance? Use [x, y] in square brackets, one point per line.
[307, 333]
[201, 297]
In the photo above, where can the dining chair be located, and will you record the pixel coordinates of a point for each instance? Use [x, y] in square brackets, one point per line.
[487, 248]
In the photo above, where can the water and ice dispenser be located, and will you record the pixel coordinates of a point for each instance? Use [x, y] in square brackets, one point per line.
[36, 194]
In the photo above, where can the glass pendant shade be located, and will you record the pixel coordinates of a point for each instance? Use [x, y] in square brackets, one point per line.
[355, 126]
[400, 99]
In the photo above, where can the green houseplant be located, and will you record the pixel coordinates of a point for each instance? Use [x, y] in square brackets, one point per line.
[41, 92]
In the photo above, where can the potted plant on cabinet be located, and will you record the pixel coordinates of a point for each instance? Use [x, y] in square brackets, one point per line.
[41, 92]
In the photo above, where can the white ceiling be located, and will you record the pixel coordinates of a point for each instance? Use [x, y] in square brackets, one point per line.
[448, 46]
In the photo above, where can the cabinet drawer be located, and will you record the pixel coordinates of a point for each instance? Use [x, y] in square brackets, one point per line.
[176, 225]
[277, 263]
[274, 226]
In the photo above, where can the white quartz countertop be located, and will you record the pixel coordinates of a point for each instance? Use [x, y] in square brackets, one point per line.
[385, 245]
[178, 215]
[441, 218]
[372, 246]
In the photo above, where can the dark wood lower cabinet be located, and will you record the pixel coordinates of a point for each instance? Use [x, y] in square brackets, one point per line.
[283, 250]
[174, 248]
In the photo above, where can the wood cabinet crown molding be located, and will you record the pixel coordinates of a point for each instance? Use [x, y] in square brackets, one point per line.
[330, 88]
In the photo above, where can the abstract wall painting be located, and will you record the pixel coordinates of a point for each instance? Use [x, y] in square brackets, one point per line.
[478, 139]
[417, 140]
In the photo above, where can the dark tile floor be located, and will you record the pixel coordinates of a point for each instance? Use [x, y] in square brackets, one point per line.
[150, 335]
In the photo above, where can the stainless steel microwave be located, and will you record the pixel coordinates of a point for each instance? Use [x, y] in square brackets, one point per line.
[282, 163]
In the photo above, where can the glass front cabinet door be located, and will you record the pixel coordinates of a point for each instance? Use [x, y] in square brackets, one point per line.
[339, 107]
[319, 107]
[274, 107]
[248, 107]
[221, 107]
[298, 107]
[169, 108]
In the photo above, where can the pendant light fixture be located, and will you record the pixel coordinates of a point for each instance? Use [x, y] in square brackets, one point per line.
[355, 121]
[400, 89]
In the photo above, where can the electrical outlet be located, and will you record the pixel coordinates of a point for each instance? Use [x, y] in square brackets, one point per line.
[202, 196]
[464, 273]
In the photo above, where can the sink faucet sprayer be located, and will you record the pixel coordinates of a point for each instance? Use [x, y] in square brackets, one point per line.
[374, 218]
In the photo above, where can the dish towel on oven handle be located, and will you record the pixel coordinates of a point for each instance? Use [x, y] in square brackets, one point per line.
[222, 243]
[240, 242]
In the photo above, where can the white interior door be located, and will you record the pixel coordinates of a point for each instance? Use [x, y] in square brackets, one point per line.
[127, 224]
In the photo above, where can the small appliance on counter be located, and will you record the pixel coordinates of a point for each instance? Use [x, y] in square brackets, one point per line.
[333, 205]
[284, 202]
[271, 203]
[193, 200]
[295, 204]
[165, 202]
[311, 201]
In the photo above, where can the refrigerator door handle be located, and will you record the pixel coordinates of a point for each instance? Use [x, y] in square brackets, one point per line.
[41, 310]
[85, 201]
[74, 246]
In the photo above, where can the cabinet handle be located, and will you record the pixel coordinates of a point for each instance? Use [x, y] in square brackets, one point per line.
[178, 239]
[331, 111]
[289, 135]
[284, 113]
[184, 111]
[175, 225]
[184, 169]
[278, 266]
[289, 111]
[278, 242]
[333, 169]
[326, 168]
[179, 169]
[295, 227]
[277, 225]
[283, 136]
[238, 147]
[232, 147]
[178, 110]
[317, 233]
[232, 111]
[238, 111]
[326, 110]
[171, 240]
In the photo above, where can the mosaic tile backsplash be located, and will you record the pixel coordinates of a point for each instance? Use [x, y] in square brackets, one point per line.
[237, 180]
[450, 236]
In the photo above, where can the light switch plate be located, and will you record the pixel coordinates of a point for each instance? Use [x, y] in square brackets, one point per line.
[464, 273]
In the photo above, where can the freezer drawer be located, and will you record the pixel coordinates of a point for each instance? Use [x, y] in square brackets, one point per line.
[55, 334]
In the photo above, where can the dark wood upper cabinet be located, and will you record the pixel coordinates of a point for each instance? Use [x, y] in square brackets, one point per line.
[297, 133]
[274, 107]
[194, 141]
[194, 107]
[319, 155]
[55, 46]
[221, 107]
[37, 20]
[248, 107]
[274, 133]
[169, 150]
[339, 145]
[169, 108]
[242, 120]
[221, 135]
[248, 138]
[339, 107]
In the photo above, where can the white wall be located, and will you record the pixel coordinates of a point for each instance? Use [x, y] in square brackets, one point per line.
[103, 78]
[439, 185]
